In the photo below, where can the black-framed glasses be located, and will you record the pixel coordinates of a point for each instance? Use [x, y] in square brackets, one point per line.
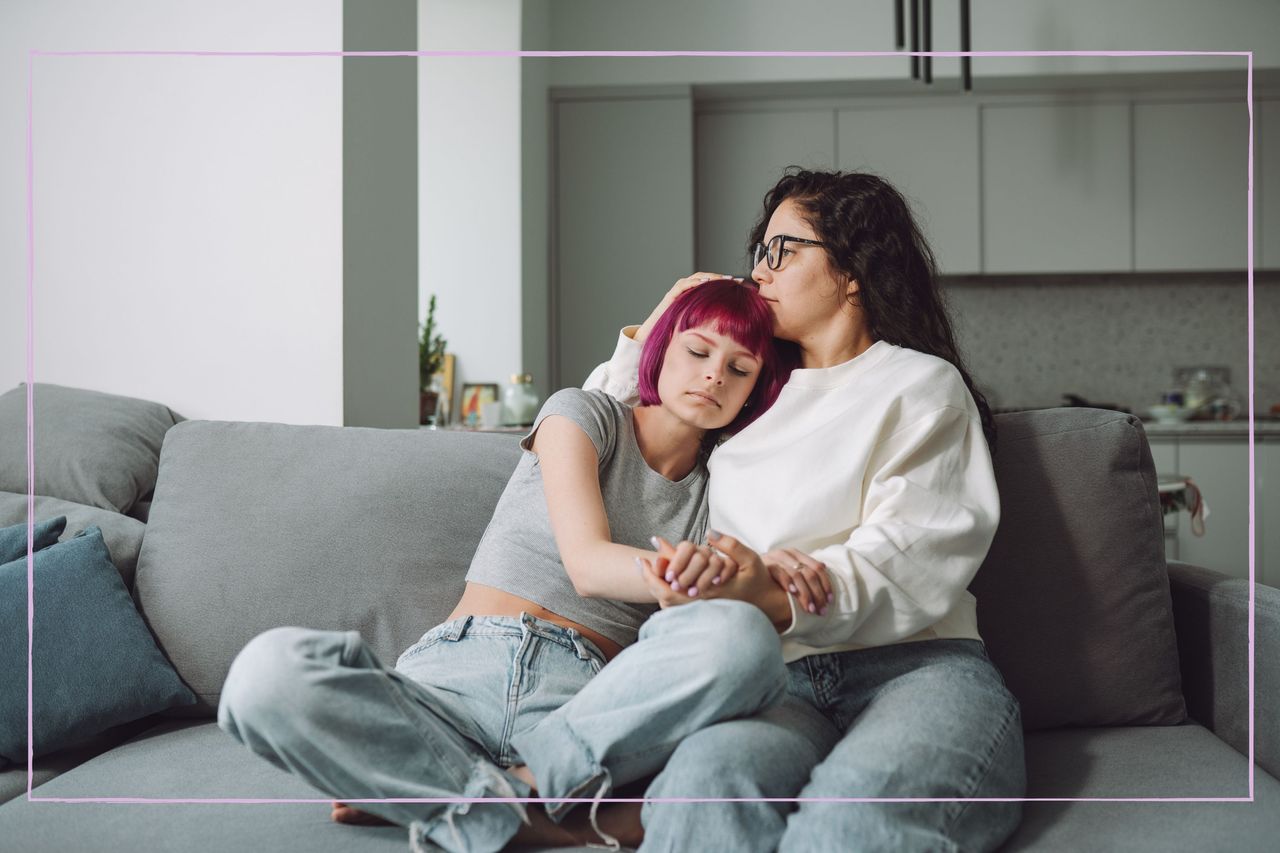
[773, 250]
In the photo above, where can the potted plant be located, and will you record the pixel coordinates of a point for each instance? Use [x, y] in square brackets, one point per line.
[430, 361]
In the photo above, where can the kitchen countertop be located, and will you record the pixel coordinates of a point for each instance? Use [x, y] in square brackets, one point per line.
[1215, 429]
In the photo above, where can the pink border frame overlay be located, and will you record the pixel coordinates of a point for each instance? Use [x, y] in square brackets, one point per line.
[629, 53]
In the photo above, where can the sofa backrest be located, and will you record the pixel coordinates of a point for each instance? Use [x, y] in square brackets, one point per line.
[258, 525]
[1073, 598]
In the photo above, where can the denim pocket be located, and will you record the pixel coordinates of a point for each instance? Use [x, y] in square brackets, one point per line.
[449, 632]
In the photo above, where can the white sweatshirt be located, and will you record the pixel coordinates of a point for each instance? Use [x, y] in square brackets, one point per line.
[876, 467]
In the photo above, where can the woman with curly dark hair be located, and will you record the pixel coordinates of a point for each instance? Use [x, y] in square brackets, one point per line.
[867, 493]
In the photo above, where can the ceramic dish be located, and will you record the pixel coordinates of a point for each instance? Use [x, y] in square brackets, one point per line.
[1166, 414]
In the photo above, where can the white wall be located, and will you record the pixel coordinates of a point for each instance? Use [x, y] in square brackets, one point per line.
[188, 210]
[867, 25]
[469, 179]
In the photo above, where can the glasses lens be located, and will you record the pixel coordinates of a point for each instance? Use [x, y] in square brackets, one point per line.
[775, 252]
[758, 251]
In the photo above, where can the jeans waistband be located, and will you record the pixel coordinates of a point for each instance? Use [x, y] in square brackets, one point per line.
[517, 626]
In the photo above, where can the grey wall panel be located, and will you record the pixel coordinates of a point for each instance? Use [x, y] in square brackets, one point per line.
[380, 216]
[624, 221]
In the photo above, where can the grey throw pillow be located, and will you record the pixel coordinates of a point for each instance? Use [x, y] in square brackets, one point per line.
[1073, 599]
[90, 448]
[122, 533]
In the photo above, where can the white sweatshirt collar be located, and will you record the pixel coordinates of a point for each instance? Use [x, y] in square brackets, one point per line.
[824, 378]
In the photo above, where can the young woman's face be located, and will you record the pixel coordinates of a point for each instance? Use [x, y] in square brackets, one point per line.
[706, 377]
[804, 293]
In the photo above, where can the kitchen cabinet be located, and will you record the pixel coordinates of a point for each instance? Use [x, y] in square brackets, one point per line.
[739, 156]
[931, 154]
[623, 202]
[1056, 188]
[1266, 183]
[1190, 185]
[1220, 467]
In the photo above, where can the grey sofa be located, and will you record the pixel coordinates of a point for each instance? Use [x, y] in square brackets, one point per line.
[1133, 675]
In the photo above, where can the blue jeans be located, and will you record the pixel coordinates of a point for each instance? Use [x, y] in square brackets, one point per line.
[919, 719]
[479, 694]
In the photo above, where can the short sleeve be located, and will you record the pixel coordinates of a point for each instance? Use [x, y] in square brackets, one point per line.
[594, 412]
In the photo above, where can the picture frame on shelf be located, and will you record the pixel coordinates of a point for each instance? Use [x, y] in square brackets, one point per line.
[475, 397]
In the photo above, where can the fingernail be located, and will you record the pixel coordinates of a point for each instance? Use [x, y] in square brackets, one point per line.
[639, 565]
[713, 534]
[653, 540]
[831, 596]
[670, 576]
[693, 592]
[822, 612]
[716, 580]
[793, 589]
[675, 585]
[812, 609]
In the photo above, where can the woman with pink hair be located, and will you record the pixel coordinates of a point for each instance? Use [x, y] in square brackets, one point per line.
[510, 696]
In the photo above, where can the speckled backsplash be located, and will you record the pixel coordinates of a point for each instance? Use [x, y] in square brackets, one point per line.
[1113, 339]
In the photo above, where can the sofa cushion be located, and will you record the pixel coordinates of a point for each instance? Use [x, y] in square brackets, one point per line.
[1073, 598]
[13, 537]
[94, 663]
[182, 759]
[13, 776]
[257, 525]
[90, 448]
[1164, 762]
[122, 533]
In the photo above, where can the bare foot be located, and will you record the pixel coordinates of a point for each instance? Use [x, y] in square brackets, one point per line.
[343, 813]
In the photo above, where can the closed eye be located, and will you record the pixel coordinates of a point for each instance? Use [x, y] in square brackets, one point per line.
[695, 353]
[739, 371]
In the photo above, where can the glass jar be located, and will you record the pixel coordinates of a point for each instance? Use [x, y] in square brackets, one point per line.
[519, 401]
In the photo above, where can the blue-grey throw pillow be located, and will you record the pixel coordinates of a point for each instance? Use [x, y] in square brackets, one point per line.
[95, 664]
[13, 540]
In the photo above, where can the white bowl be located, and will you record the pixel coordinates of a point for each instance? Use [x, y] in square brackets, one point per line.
[1167, 414]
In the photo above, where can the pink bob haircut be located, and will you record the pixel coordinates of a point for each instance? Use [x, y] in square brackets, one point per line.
[733, 309]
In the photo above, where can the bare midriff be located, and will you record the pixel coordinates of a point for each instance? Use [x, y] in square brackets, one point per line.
[481, 600]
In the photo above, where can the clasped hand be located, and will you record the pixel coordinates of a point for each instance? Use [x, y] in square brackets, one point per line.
[725, 568]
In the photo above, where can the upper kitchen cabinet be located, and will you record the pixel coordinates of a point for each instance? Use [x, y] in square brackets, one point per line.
[740, 155]
[1190, 185]
[1056, 188]
[1266, 184]
[623, 201]
[930, 153]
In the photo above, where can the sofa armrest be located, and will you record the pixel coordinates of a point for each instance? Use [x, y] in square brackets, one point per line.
[1211, 617]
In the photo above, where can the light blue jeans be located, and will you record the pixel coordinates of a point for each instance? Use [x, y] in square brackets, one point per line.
[920, 719]
[479, 694]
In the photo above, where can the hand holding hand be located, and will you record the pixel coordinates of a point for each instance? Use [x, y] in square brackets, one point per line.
[676, 289]
[802, 576]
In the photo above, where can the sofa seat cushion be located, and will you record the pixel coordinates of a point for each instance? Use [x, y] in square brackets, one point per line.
[1160, 762]
[13, 777]
[185, 759]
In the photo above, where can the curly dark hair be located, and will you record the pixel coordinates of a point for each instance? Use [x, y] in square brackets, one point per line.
[871, 236]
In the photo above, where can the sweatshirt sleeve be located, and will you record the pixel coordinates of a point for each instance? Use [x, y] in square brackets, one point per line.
[929, 514]
[619, 376]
